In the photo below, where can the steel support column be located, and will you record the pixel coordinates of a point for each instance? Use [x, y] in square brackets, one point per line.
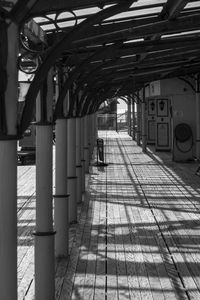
[8, 167]
[143, 114]
[82, 155]
[44, 235]
[198, 117]
[133, 118]
[90, 137]
[78, 160]
[93, 131]
[71, 169]
[129, 116]
[86, 144]
[61, 205]
[138, 131]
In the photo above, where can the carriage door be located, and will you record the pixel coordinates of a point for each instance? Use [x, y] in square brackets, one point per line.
[163, 124]
[151, 123]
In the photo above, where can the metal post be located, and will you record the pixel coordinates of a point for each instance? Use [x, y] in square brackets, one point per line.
[44, 235]
[71, 169]
[93, 131]
[82, 155]
[197, 117]
[96, 126]
[129, 117]
[8, 219]
[61, 209]
[138, 123]
[144, 136]
[133, 118]
[90, 136]
[8, 168]
[86, 146]
[78, 160]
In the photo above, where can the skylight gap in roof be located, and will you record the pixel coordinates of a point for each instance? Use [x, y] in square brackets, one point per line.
[190, 33]
[192, 4]
[143, 3]
[142, 12]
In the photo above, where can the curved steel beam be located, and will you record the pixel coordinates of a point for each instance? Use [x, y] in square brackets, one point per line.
[74, 75]
[114, 94]
[90, 83]
[105, 89]
[56, 51]
[96, 107]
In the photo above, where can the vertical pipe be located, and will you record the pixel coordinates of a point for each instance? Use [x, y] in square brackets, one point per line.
[44, 235]
[197, 117]
[61, 209]
[8, 173]
[71, 169]
[144, 135]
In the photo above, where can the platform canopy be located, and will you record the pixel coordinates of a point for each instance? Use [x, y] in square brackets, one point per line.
[112, 48]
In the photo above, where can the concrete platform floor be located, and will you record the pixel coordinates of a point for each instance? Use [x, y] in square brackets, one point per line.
[138, 234]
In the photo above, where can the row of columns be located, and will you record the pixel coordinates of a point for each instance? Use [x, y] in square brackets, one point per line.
[74, 145]
[69, 186]
[137, 125]
[70, 182]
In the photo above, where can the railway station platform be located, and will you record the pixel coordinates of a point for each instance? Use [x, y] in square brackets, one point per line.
[138, 230]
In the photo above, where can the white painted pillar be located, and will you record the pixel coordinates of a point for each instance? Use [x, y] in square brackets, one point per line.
[61, 199]
[71, 169]
[143, 115]
[133, 118]
[198, 117]
[86, 146]
[138, 131]
[8, 219]
[129, 116]
[90, 137]
[8, 171]
[93, 132]
[95, 128]
[44, 235]
[82, 155]
[78, 160]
